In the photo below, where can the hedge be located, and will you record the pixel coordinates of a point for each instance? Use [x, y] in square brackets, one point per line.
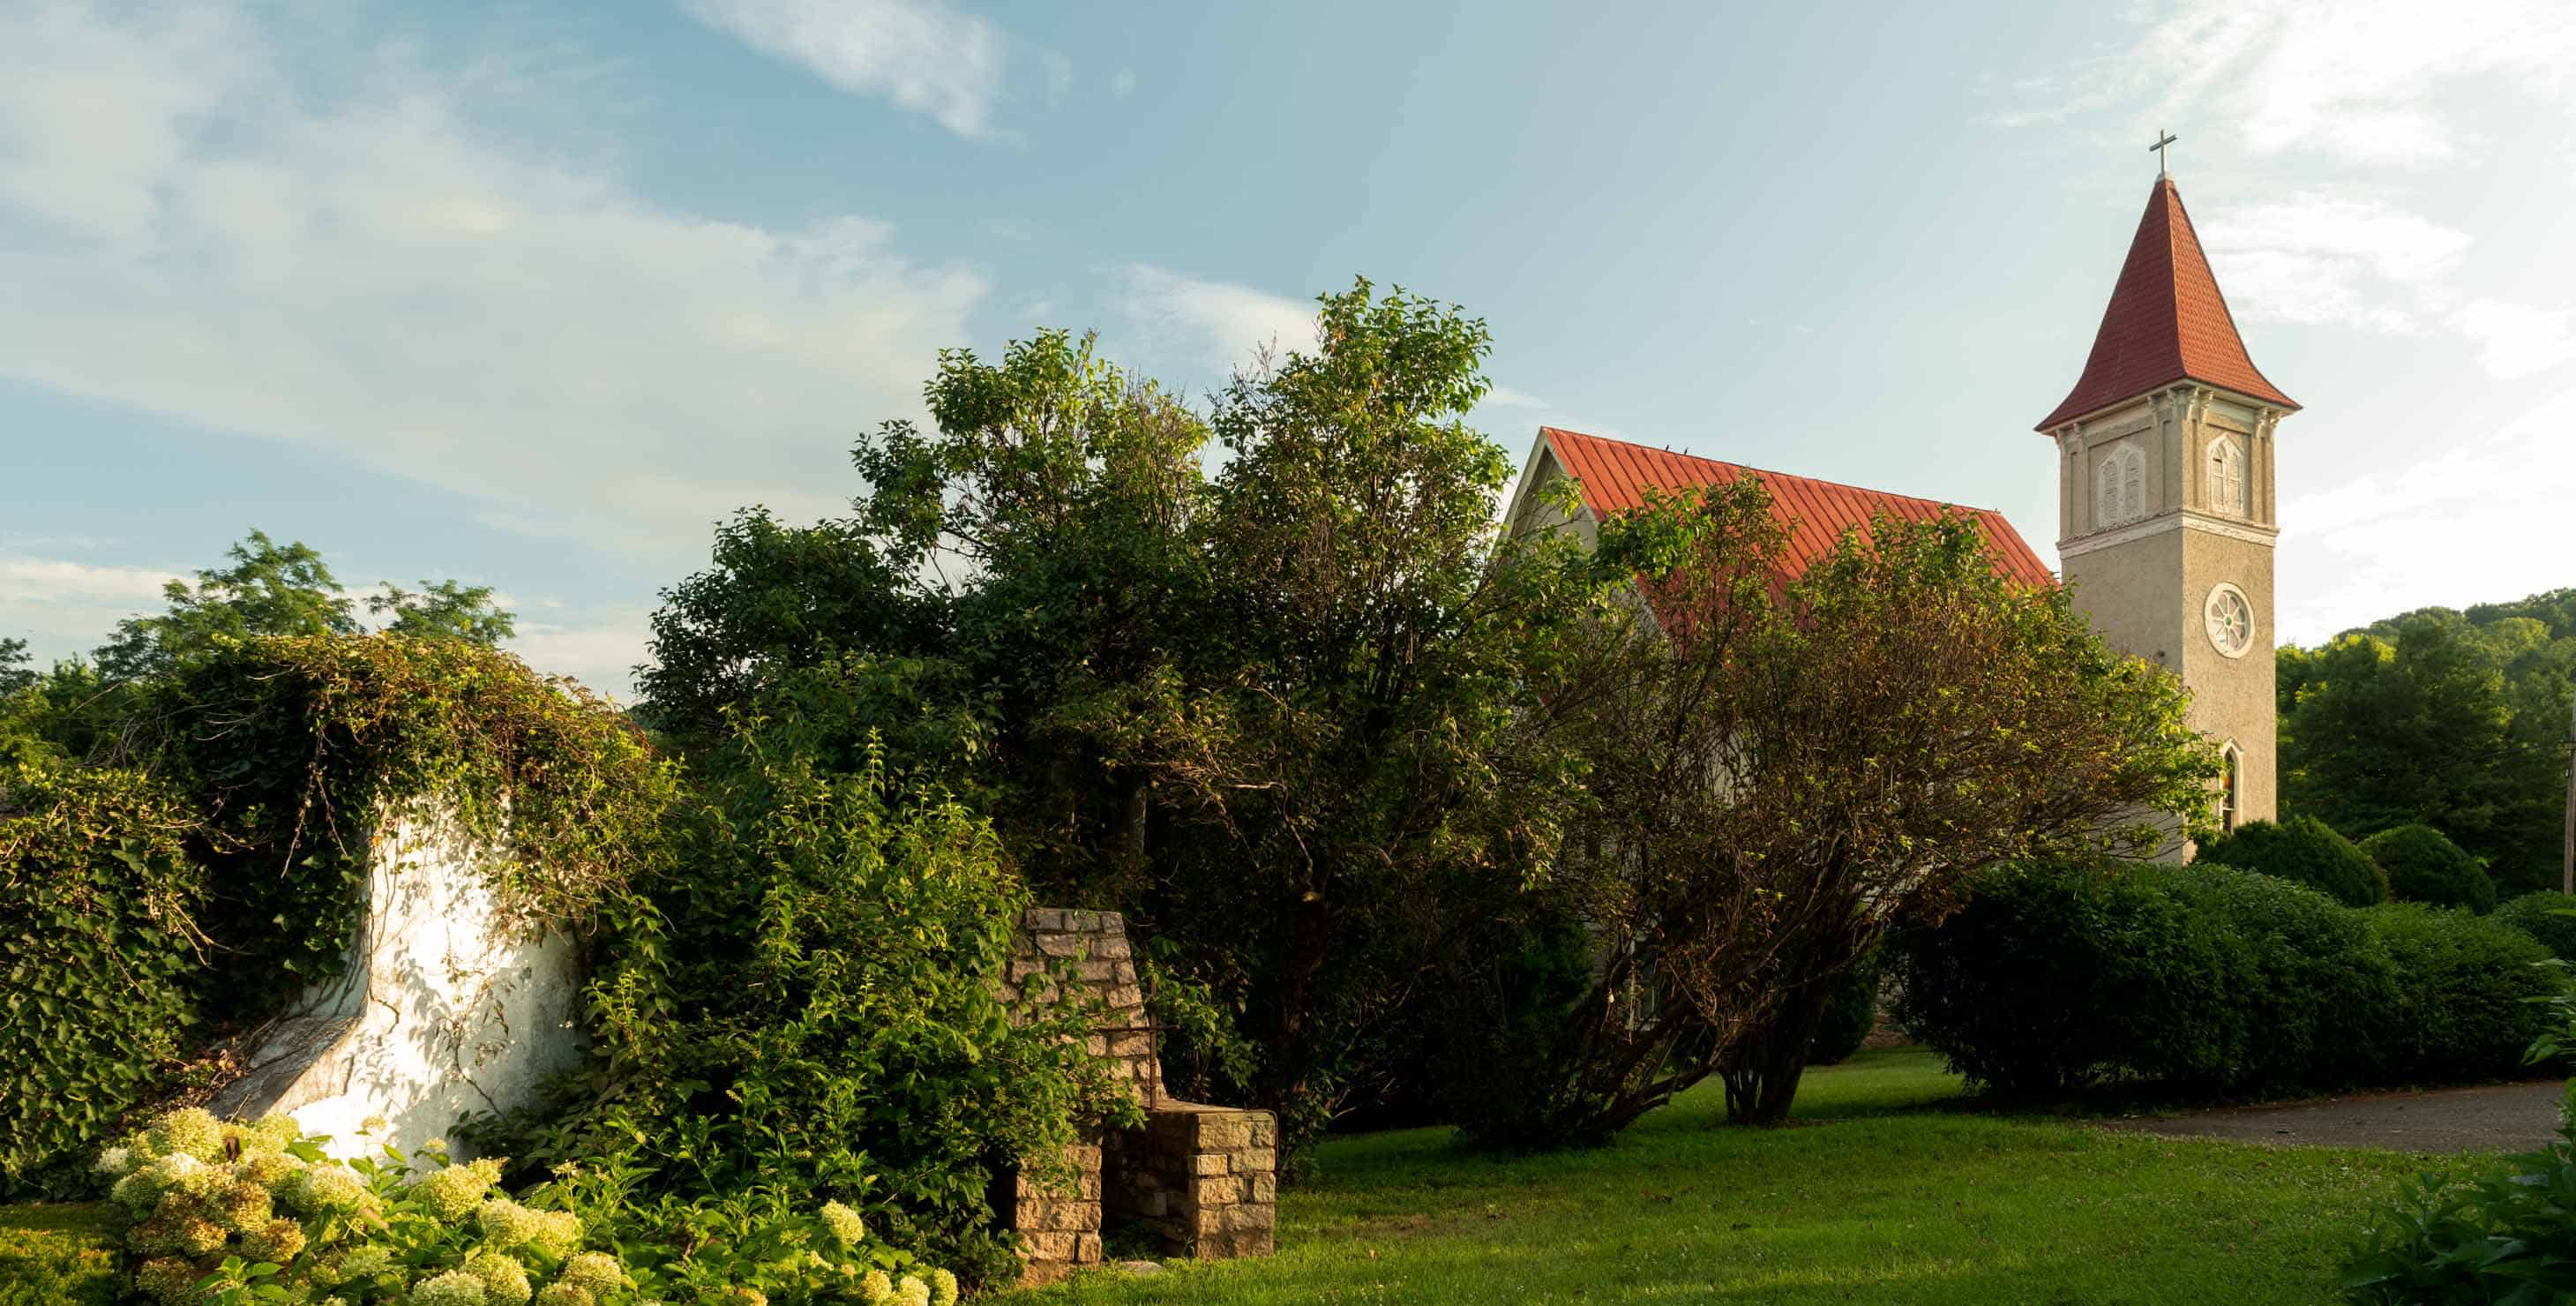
[2065, 978]
[2464, 986]
[2538, 915]
[2306, 850]
[2423, 865]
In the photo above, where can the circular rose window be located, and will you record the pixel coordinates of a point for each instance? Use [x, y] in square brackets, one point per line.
[2231, 621]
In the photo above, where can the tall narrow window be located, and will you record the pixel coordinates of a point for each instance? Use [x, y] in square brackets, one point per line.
[2226, 476]
[2121, 487]
[2228, 804]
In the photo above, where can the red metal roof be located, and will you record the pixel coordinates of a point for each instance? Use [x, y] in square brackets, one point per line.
[1614, 473]
[2166, 322]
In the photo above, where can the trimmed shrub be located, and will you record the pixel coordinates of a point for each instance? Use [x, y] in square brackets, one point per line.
[2423, 865]
[2065, 977]
[2466, 990]
[2537, 914]
[2306, 850]
[1851, 1012]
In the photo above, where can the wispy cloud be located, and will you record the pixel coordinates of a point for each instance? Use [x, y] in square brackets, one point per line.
[921, 54]
[1503, 396]
[61, 606]
[192, 225]
[2358, 80]
[2388, 541]
[2517, 341]
[1212, 323]
[600, 648]
[2322, 259]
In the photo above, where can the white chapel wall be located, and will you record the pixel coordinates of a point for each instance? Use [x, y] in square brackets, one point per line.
[439, 1014]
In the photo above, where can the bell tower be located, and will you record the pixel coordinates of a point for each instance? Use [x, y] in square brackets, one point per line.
[2165, 460]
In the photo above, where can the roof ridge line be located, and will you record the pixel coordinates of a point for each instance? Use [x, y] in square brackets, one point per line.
[1773, 471]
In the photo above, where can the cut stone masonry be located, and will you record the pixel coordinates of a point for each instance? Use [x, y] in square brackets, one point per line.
[1201, 1178]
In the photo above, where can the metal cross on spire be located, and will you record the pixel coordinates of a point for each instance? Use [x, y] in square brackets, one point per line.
[2163, 139]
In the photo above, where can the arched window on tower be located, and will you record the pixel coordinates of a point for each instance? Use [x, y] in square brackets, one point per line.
[2121, 490]
[2226, 476]
[2229, 801]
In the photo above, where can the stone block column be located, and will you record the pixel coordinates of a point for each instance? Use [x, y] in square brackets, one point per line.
[1201, 1178]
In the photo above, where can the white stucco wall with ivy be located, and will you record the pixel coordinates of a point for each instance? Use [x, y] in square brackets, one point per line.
[440, 1013]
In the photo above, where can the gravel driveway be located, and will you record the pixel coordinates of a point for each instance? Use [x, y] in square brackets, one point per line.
[2493, 1118]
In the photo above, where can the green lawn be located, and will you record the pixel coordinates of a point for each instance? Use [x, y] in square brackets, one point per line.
[1880, 1195]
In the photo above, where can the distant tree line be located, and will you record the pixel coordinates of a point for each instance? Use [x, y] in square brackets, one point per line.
[2453, 719]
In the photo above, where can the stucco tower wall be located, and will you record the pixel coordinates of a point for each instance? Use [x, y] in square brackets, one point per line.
[2146, 577]
[2233, 699]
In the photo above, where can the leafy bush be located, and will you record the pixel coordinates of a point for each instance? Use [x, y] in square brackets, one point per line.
[1851, 1012]
[2063, 977]
[2548, 916]
[803, 1007]
[221, 1212]
[98, 950]
[2466, 991]
[2306, 850]
[2425, 866]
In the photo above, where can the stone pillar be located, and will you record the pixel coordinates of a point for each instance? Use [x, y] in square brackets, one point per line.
[1202, 1178]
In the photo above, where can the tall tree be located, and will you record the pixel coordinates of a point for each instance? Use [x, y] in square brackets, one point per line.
[2438, 719]
[270, 589]
[1787, 767]
[1272, 714]
[443, 609]
[16, 666]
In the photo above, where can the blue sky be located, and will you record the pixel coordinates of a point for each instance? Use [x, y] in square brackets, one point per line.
[530, 295]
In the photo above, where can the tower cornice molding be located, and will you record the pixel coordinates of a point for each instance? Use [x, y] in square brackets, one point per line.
[2091, 420]
[2185, 519]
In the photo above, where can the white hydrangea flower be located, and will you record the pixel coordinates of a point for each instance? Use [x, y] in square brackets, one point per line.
[594, 1272]
[454, 1288]
[847, 1228]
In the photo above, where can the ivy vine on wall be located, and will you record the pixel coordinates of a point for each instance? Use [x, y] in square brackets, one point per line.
[214, 865]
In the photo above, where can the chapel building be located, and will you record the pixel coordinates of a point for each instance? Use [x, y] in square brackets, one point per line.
[2165, 466]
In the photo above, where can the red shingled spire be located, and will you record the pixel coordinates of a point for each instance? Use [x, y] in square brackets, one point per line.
[2166, 323]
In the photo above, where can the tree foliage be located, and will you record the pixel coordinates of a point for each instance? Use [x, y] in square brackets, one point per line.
[1272, 713]
[1786, 766]
[2453, 720]
[270, 589]
[16, 669]
[802, 1004]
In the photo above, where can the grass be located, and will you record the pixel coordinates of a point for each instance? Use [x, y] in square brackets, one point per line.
[1880, 1193]
[57, 1255]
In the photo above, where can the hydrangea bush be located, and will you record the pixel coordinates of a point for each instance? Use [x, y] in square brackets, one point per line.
[226, 1212]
